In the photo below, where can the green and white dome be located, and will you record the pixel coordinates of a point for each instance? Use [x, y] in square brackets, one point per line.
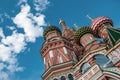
[50, 29]
[80, 32]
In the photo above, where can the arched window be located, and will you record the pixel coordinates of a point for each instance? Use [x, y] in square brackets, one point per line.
[60, 59]
[55, 79]
[70, 77]
[103, 61]
[63, 78]
[110, 78]
[85, 67]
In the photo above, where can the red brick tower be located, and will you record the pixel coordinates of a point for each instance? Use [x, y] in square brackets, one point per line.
[79, 55]
[84, 36]
[58, 54]
[68, 33]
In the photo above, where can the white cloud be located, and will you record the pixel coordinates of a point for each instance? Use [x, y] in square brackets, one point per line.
[11, 27]
[5, 53]
[14, 68]
[3, 76]
[30, 23]
[6, 15]
[3, 16]
[2, 66]
[9, 48]
[14, 44]
[1, 33]
[40, 5]
[28, 49]
[22, 1]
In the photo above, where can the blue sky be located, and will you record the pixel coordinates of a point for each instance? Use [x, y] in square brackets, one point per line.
[21, 27]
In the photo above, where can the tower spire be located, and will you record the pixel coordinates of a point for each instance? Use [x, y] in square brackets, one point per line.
[62, 23]
[89, 17]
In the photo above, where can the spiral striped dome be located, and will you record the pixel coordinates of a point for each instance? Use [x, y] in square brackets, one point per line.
[98, 21]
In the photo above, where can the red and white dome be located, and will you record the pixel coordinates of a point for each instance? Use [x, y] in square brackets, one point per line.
[98, 21]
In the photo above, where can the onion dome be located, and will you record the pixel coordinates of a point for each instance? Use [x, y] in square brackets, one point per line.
[99, 21]
[80, 32]
[50, 29]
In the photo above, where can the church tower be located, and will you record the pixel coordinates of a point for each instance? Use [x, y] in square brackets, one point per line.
[99, 26]
[84, 36]
[58, 54]
[69, 33]
[103, 28]
[66, 32]
[80, 54]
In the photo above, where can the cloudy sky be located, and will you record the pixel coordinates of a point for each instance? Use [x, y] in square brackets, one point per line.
[21, 27]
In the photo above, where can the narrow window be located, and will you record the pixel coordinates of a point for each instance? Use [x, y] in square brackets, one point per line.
[63, 78]
[70, 77]
[55, 79]
[65, 50]
[60, 59]
[51, 53]
[44, 60]
[85, 67]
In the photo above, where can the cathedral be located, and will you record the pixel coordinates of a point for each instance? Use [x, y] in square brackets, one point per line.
[86, 53]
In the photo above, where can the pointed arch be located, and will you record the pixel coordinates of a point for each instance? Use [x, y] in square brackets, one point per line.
[110, 78]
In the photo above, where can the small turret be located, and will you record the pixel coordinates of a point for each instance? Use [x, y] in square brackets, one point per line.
[84, 36]
[66, 32]
[51, 32]
[99, 26]
[62, 23]
[99, 22]
[80, 32]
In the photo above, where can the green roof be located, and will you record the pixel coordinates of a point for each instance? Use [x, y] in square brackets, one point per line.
[49, 29]
[113, 35]
[109, 70]
[80, 32]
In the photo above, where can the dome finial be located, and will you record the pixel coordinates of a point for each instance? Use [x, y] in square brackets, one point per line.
[49, 24]
[62, 23]
[76, 26]
[89, 17]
